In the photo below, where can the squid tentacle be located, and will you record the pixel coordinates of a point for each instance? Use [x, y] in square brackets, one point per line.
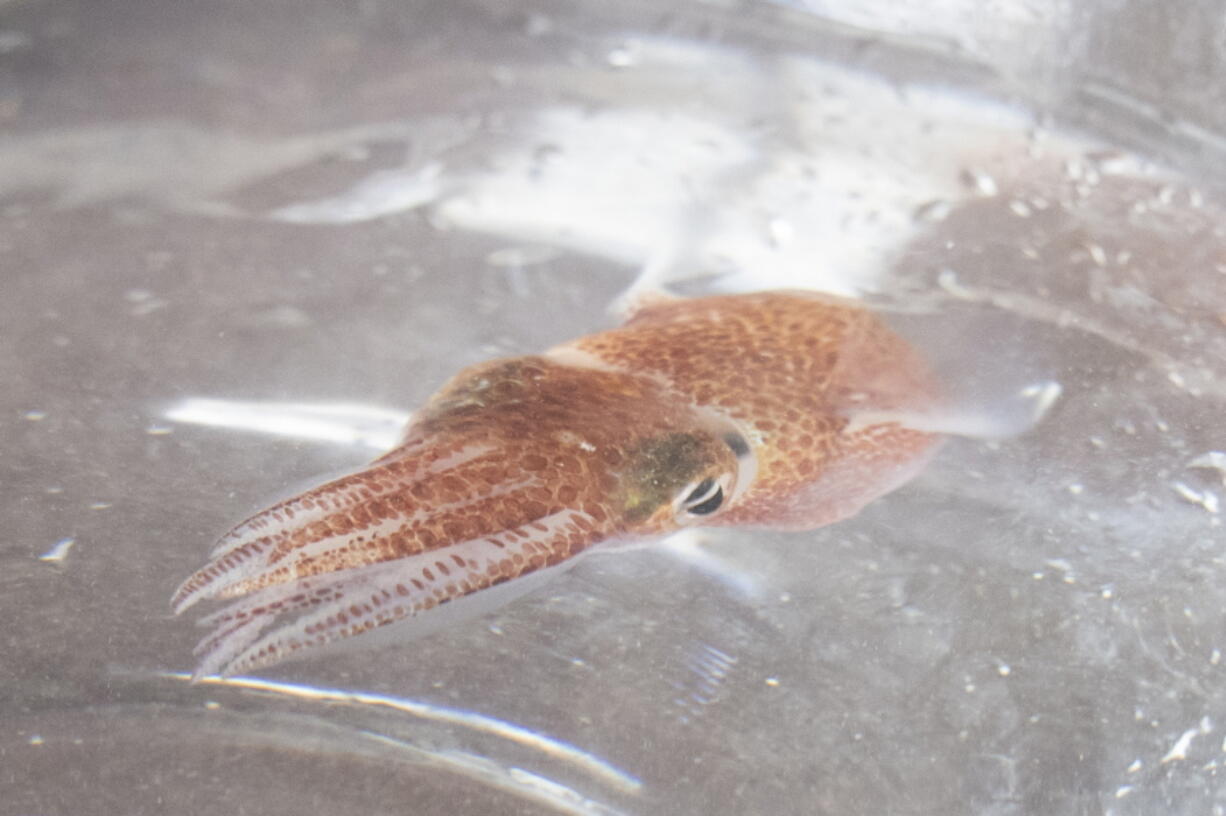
[371, 508]
[364, 598]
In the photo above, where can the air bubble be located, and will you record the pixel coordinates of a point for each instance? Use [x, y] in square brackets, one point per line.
[623, 56]
[1206, 499]
[58, 552]
[980, 182]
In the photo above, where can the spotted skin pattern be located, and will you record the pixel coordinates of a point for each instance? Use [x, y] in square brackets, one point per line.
[774, 409]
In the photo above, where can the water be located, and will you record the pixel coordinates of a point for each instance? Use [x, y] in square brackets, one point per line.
[237, 247]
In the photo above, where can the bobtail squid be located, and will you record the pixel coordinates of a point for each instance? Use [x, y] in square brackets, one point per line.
[784, 410]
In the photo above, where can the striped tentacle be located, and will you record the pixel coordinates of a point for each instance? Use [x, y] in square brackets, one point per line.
[350, 514]
[353, 601]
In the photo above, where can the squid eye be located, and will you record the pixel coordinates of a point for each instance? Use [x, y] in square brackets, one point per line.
[705, 498]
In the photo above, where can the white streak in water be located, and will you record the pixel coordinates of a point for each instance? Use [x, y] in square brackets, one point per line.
[494, 774]
[554, 749]
[344, 423]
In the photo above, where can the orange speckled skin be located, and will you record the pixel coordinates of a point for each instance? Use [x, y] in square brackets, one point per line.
[785, 404]
[793, 370]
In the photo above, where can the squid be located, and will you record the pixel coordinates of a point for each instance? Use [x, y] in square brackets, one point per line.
[784, 410]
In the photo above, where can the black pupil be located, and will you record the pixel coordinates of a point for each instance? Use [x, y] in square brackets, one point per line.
[708, 500]
[737, 443]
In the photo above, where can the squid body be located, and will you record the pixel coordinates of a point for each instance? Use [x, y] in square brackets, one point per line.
[778, 409]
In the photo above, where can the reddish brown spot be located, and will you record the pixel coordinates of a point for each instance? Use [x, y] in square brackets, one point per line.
[492, 475]
[534, 510]
[540, 493]
[533, 462]
[452, 484]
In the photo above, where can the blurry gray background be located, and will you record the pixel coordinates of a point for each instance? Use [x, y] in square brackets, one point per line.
[219, 218]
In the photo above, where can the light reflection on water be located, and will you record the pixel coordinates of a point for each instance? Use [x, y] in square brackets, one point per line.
[486, 770]
[365, 426]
